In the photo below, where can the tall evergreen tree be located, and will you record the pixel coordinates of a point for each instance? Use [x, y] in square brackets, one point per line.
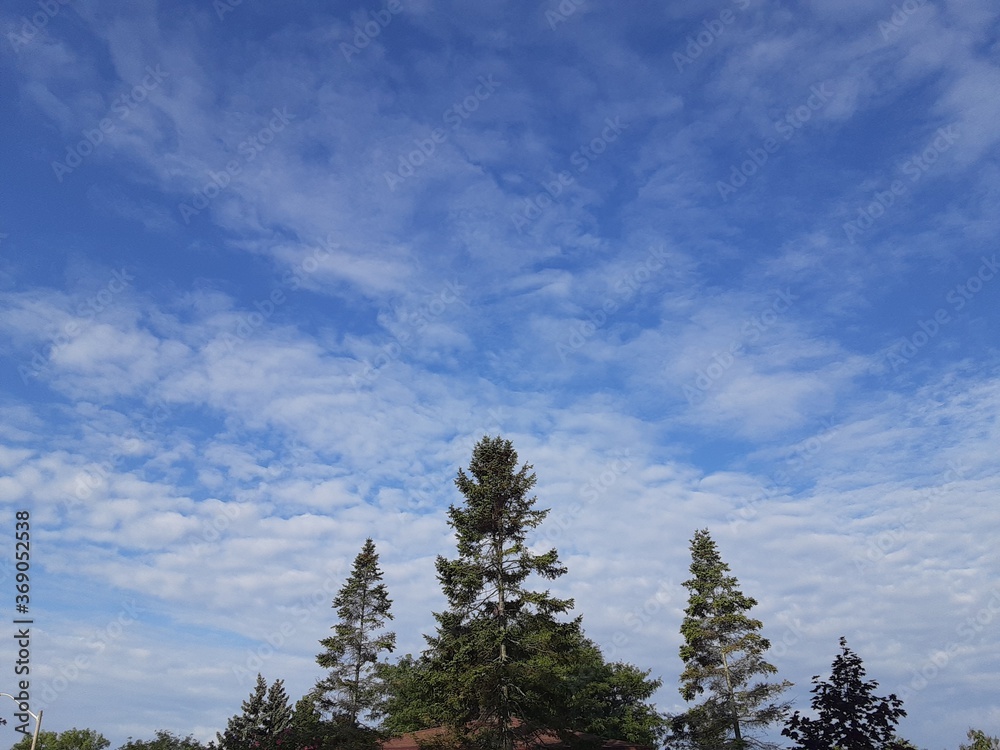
[723, 655]
[848, 713]
[265, 722]
[352, 688]
[499, 652]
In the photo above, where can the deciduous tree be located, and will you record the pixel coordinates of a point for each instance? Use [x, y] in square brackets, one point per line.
[979, 740]
[848, 713]
[163, 741]
[70, 739]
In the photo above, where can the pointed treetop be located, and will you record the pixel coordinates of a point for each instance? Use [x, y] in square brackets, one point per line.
[352, 688]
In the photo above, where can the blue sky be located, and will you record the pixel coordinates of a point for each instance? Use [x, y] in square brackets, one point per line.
[269, 271]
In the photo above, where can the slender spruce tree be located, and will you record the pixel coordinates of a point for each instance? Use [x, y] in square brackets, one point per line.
[352, 688]
[499, 654]
[723, 655]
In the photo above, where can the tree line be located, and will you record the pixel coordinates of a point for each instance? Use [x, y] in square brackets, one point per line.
[508, 664]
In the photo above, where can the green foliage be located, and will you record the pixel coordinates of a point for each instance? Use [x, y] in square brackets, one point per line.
[723, 655]
[411, 701]
[610, 700]
[501, 665]
[979, 740]
[71, 739]
[848, 714]
[265, 723]
[163, 741]
[352, 687]
[499, 651]
[310, 731]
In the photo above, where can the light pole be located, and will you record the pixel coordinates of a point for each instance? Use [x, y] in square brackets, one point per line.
[37, 718]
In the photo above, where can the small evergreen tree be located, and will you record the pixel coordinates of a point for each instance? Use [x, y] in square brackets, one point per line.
[848, 713]
[308, 730]
[723, 653]
[265, 723]
[352, 688]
